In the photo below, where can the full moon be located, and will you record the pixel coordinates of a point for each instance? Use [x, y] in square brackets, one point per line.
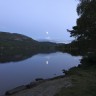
[47, 32]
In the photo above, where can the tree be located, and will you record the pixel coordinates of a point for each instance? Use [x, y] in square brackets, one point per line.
[86, 23]
[85, 30]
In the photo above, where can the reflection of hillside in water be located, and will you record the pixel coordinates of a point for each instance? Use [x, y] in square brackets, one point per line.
[15, 55]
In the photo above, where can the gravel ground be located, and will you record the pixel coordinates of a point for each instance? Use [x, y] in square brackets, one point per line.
[48, 88]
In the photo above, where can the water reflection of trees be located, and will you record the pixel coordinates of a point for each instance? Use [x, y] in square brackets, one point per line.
[7, 55]
[83, 49]
[18, 54]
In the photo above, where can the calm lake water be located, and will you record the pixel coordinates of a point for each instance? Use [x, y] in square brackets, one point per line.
[13, 74]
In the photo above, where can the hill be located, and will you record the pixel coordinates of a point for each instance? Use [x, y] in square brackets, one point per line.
[18, 41]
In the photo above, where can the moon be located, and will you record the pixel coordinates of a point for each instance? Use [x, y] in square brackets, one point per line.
[47, 62]
[47, 32]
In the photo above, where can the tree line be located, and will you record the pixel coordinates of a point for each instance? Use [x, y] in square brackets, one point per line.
[85, 29]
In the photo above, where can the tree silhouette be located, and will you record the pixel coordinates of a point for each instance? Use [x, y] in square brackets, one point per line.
[85, 30]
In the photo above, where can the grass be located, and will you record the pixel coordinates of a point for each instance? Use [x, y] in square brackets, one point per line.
[83, 80]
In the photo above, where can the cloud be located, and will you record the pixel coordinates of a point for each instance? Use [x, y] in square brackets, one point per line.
[48, 38]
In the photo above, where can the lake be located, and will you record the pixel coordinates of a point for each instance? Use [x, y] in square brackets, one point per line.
[13, 74]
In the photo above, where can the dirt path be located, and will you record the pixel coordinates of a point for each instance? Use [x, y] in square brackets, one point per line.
[48, 88]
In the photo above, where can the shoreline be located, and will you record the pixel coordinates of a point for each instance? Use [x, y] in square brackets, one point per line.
[31, 85]
[47, 88]
[77, 80]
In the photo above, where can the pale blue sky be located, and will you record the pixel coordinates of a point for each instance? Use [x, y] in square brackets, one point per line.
[36, 17]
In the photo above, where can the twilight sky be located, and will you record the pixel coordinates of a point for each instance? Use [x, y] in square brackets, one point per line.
[39, 19]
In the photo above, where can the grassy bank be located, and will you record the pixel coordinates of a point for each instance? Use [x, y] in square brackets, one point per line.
[83, 80]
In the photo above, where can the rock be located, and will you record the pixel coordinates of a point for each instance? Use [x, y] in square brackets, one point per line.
[39, 79]
[17, 89]
[31, 85]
